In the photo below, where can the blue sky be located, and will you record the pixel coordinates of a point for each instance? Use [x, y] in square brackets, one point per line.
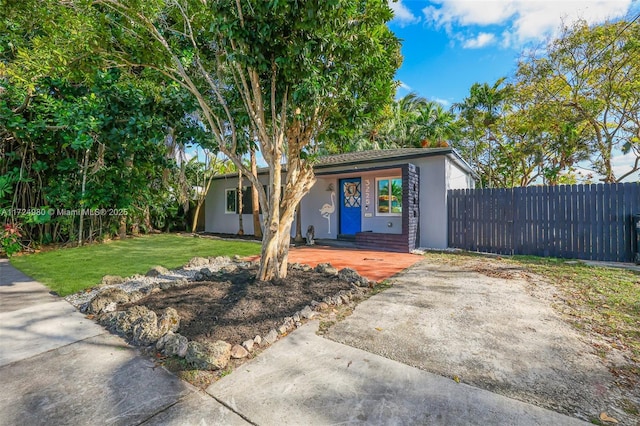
[450, 44]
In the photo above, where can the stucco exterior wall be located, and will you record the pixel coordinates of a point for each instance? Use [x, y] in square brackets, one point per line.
[437, 175]
[432, 231]
[457, 178]
[328, 225]
[216, 219]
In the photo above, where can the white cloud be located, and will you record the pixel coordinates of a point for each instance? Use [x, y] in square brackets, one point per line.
[481, 40]
[622, 164]
[405, 86]
[401, 13]
[526, 20]
[443, 102]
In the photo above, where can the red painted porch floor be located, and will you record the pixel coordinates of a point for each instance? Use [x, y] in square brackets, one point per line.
[374, 265]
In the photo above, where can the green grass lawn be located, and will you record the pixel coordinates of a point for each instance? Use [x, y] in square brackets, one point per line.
[607, 300]
[70, 270]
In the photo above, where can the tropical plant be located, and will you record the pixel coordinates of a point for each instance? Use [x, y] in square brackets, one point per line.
[292, 69]
[10, 239]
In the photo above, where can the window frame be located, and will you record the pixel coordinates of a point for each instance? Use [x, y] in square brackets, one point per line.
[235, 201]
[389, 179]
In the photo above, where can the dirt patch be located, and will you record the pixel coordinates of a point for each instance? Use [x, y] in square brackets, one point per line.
[490, 323]
[234, 307]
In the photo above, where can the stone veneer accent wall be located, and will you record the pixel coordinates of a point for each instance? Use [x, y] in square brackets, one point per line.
[410, 199]
[406, 241]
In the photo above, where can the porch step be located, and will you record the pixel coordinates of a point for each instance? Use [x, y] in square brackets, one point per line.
[346, 237]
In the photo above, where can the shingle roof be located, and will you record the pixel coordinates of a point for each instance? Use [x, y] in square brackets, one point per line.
[372, 156]
[377, 156]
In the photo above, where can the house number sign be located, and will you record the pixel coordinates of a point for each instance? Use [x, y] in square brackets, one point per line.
[367, 193]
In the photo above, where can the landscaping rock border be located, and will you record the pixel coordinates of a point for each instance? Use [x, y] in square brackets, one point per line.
[143, 327]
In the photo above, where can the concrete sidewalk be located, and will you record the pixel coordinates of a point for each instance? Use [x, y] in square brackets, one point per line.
[305, 379]
[57, 367]
[60, 368]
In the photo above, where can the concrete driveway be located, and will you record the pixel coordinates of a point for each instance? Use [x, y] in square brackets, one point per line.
[488, 330]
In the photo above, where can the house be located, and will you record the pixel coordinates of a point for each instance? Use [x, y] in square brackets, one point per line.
[394, 199]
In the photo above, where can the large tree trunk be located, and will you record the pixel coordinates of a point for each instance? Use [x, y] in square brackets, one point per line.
[270, 265]
[122, 229]
[255, 200]
[298, 237]
[240, 224]
[282, 207]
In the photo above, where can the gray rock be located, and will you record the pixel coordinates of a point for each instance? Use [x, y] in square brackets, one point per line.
[307, 313]
[208, 356]
[145, 329]
[364, 283]
[219, 260]
[327, 300]
[207, 273]
[296, 317]
[248, 345]
[199, 276]
[173, 344]
[257, 340]
[163, 340]
[134, 296]
[326, 268]
[112, 280]
[106, 298]
[298, 324]
[123, 321]
[157, 271]
[197, 261]
[108, 320]
[322, 306]
[337, 300]
[167, 285]
[169, 321]
[283, 329]
[271, 337]
[229, 269]
[350, 275]
[345, 298]
[238, 352]
[306, 268]
[110, 307]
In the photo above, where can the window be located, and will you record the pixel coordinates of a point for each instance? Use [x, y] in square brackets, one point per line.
[389, 196]
[231, 201]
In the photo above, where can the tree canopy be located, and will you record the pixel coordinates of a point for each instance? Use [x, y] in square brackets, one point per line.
[276, 75]
[573, 105]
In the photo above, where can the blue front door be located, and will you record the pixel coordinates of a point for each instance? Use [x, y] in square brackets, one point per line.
[350, 205]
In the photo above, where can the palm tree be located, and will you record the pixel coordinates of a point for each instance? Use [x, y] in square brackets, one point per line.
[480, 111]
[413, 119]
[433, 123]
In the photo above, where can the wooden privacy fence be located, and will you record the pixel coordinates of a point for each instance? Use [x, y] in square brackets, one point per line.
[570, 221]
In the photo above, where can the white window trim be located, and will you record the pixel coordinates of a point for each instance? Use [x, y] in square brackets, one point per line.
[377, 188]
[226, 199]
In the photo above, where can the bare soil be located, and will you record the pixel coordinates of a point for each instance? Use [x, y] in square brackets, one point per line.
[235, 307]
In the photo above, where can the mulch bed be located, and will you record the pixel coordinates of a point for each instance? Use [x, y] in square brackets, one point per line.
[235, 307]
